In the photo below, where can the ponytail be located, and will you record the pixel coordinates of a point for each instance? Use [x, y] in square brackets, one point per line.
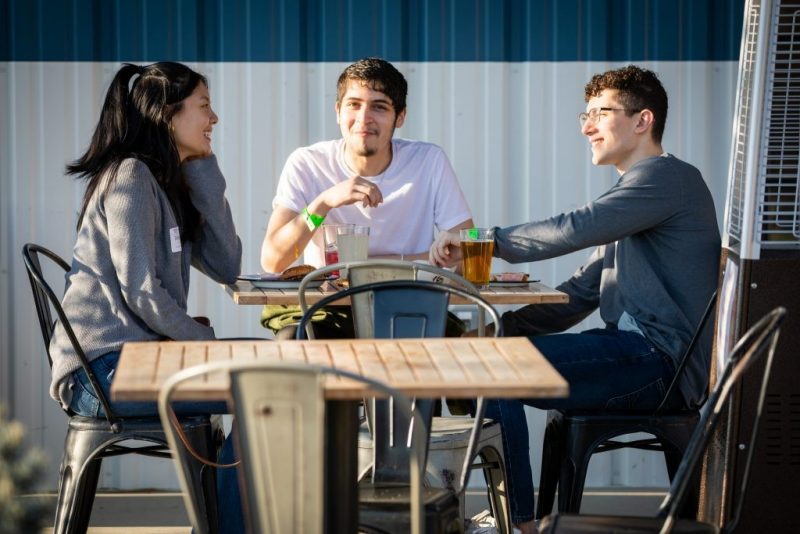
[134, 124]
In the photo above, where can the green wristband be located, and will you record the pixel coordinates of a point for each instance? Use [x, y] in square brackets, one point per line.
[313, 221]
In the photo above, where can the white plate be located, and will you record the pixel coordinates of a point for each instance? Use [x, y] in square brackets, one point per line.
[284, 284]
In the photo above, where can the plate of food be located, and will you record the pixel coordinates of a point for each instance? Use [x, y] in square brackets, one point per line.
[288, 279]
[510, 280]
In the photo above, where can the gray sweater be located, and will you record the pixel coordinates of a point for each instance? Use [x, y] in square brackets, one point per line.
[657, 259]
[130, 273]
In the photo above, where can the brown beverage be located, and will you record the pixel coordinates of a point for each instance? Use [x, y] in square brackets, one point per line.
[478, 261]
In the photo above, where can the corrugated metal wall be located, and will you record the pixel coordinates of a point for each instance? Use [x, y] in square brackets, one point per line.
[504, 111]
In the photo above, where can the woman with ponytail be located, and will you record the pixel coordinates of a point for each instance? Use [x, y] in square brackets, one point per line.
[154, 206]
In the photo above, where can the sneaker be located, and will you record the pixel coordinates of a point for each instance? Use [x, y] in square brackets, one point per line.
[481, 523]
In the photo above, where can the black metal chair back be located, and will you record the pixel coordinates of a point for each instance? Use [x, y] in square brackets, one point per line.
[698, 333]
[761, 339]
[89, 439]
[46, 301]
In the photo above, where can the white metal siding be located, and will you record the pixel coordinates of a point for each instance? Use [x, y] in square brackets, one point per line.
[510, 130]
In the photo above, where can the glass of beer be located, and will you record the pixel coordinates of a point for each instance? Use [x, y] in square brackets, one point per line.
[477, 246]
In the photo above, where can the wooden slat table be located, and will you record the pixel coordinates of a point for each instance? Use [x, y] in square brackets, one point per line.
[245, 293]
[430, 367]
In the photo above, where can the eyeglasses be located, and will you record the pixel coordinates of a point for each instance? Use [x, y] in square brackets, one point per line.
[595, 114]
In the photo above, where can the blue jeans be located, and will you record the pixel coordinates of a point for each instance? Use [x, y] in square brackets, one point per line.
[607, 369]
[84, 402]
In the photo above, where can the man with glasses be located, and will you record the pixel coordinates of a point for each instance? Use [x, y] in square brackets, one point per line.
[651, 274]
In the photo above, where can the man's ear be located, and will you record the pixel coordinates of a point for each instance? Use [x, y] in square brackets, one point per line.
[401, 118]
[336, 107]
[645, 122]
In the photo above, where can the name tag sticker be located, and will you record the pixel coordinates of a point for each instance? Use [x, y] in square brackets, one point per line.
[175, 239]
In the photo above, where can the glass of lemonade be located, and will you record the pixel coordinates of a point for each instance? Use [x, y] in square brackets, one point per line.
[353, 242]
[477, 246]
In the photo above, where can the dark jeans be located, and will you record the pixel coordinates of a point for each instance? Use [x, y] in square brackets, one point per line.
[85, 403]
[607, 369]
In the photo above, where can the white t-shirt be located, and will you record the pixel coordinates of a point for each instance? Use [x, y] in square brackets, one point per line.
[420, 193]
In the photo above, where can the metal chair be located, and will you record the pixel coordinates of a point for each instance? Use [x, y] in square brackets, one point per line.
[89, 439]
[376, 270]
[572, 437]
[280, 418]
[408, 308]
[449, 437]
[761, 338]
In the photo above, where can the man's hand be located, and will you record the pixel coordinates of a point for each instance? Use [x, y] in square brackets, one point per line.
[446, 250]
[356, 189]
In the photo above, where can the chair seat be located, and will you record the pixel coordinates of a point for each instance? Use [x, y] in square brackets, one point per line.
[448, 442]
[385, 509]
[90, 439]
[596, 524]
[454, 432]
[132, 424]
[447, 447]
[571, 438]
[633, 417]
[596, 428]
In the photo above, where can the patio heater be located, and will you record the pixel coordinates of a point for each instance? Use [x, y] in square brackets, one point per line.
[762, 270]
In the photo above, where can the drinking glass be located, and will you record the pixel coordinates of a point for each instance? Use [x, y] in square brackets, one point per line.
[477, 246]
[353, 244]
[330, 233]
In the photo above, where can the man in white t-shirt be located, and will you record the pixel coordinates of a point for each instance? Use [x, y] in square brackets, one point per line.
[403, 190]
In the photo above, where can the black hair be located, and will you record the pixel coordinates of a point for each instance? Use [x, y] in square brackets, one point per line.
[135, 123]
[379, 75]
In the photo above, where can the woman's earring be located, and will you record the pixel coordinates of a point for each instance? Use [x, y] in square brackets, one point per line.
[171, 128]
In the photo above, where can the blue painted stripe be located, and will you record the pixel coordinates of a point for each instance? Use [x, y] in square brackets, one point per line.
[342, 30]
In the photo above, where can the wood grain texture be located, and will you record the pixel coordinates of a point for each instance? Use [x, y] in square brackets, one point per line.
[433, 367]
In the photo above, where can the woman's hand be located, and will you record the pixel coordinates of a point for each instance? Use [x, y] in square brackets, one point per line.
[446, 250]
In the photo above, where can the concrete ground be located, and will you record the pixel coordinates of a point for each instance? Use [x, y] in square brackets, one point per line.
[163, 513]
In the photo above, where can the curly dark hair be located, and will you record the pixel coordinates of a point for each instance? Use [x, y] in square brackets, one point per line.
[379, 75]
[638, 89]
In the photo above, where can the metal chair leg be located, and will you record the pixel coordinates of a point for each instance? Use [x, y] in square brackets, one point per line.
[552, 453]
[203, 479]
[497, 488]
[79, 476]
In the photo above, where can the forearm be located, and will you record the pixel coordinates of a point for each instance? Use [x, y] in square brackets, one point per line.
[583, 289]
[634, 204]
[284, 245]
[218, 251]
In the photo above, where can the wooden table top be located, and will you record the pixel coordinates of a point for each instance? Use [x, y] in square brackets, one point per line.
[430, 367]
[245, 293]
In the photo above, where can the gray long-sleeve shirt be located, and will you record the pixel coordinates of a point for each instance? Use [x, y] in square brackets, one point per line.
[657, 259]
[130, 272]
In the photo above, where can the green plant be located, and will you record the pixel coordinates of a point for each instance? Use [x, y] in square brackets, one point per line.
[21, 467]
